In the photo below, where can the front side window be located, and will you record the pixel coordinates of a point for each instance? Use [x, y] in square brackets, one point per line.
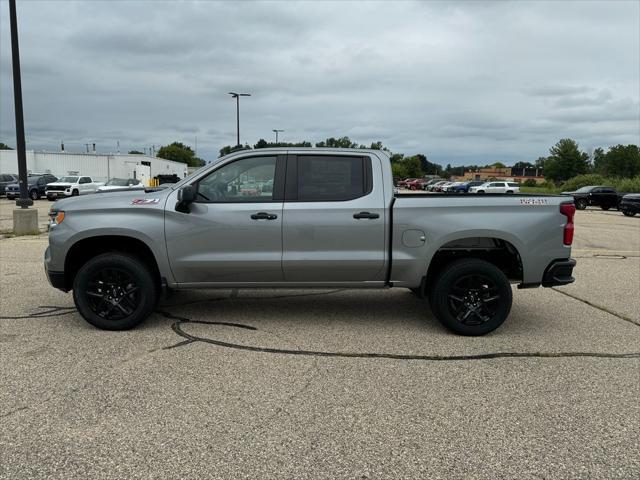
[247, 180]
[325, 178]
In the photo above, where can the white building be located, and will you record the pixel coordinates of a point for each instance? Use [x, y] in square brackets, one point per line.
[98, 166]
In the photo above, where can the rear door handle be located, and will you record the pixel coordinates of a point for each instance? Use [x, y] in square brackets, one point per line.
[366, 215]
[263, 216]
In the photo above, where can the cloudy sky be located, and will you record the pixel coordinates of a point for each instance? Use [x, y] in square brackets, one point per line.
[460, 81]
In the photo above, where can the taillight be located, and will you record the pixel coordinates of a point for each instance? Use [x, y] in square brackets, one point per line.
[568, 210]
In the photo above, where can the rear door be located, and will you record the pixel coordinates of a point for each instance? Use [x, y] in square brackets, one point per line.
[333, 219]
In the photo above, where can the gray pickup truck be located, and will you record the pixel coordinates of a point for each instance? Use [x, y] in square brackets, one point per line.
[307, 218]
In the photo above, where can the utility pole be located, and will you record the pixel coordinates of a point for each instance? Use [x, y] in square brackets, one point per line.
[25, 220]
[237, 97]
[23, 201]
[276, 132]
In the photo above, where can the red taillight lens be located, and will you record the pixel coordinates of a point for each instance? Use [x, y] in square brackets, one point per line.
[568, 210]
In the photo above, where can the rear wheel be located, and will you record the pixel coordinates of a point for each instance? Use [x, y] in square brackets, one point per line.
[480, 191]
[509, 191]
[114, 291]
[603, 207]
[628, 213]
[581, 204]
[471, 297]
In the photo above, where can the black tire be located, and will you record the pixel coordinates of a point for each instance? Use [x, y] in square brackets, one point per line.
[34, 194]
[471, 297]
[509, 191]
[10, 197]
[604, 207]
[581, 204]
[627, 213]
[480, 191]
[114, 291]
[75, 193]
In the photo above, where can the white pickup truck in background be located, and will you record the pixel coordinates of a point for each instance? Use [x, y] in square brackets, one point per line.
[71, 186]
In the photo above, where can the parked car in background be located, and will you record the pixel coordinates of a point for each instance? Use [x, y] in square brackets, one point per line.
[596, 196]
[71, 186]
[464, 187]
[36, 186]
[121, 184]
[451, 188]
[433, 181]
[405, 182]
[441, 186]
[417, 184]
[7, 179]
[434, 186]
[630, 204]
[496, 187]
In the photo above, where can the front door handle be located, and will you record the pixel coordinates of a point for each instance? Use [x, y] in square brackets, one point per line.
[366, 215]
[263, 216]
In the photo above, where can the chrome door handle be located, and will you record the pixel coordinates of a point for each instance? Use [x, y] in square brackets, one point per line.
[263, 216]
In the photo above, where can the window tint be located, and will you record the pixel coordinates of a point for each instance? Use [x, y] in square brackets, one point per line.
[496, 184]
[513, 184]
[607, 190]
[85, 180]
[246, 180]
[337, 178]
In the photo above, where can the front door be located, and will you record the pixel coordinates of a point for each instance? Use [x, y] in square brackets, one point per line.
[333, 220]
[233, 233]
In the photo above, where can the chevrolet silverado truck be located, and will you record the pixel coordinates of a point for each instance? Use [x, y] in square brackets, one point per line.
[71, 186]
[312, 218]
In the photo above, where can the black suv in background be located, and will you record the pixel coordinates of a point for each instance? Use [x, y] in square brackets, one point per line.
[630, 204]
[7, 179]
[36, 185]
[596, 196]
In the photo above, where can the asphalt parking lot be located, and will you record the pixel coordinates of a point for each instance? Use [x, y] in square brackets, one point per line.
[326, 384]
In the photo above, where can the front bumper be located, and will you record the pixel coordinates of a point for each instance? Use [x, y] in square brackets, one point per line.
[57, 194]
[56, 279]
[559, 272]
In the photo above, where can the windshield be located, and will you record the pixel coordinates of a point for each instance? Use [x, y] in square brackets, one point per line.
[69, 179]
[585, 189]
[117, 182]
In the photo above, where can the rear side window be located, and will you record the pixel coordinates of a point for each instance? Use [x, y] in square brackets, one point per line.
[514, 184]
[333, 178]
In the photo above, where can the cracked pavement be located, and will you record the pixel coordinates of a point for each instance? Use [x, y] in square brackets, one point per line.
[222, 401]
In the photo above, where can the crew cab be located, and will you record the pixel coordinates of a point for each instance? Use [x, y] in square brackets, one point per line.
[71, 186]
[596, 196]
[36, 185]
[316, 218]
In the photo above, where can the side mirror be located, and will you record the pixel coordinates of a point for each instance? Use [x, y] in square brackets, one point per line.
[186, 196]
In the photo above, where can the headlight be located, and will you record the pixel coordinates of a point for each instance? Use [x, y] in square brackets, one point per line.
[56, 217]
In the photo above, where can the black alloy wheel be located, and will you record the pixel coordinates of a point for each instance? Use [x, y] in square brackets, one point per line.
[75, 193]
[581, 204]
[628, 213]
[34, 195]
[114, 291]
[471, 297]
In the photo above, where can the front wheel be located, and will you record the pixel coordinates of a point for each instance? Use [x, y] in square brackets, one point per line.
[471, 297]
[75, 193]
[114, 291]
[34, 195]
[509, 191]
[603, 207]
[581, 204]
[628, 213]
[480, 191]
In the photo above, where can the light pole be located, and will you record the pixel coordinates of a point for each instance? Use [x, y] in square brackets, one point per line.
[237, 97]
[23, 201]
[276, 132]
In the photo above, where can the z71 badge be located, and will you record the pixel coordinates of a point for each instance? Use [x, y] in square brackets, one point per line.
[534, 201]
[145, 201]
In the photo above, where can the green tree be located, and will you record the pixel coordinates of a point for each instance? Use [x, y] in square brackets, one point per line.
[135, 152]
[4, 146]
[226, 150]
[619, 161]
[262, 143]
[498, 165]
[179, 152]
[343, 142]
[566, 161]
